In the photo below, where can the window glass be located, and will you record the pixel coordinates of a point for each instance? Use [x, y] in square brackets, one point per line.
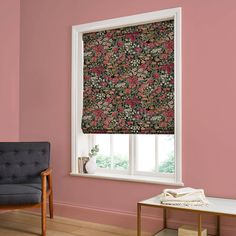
[145, 152]
[103, 156]
[120, 151]
[166, 153]
[113, 151]
[153, 153]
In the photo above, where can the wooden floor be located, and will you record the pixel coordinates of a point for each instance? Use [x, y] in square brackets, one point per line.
[16, 223]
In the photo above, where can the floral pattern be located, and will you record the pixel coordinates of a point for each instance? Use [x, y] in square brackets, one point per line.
[129, 80]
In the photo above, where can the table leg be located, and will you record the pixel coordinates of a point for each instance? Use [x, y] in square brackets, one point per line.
[139, 219]
[199, 225]
[218, 226]
[164, 218]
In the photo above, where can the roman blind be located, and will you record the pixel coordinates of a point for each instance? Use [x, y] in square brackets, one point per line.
[129, 80]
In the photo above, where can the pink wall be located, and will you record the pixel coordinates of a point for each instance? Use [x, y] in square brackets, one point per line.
[9, 69]
[209, 96]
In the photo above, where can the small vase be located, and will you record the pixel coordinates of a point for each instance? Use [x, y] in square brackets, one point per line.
[91, 165]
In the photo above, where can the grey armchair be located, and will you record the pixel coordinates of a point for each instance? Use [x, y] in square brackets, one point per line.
[25, 177]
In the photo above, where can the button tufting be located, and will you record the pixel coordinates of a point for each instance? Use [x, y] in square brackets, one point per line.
[29, 151]
[7, 164]
[16, 151]
[21, 163]
[36, 163]
[13, 177]
[43, 151]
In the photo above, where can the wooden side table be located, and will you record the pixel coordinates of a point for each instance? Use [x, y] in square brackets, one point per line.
[217, 206]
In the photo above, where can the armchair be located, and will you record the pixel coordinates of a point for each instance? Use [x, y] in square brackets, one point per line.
[25, 177]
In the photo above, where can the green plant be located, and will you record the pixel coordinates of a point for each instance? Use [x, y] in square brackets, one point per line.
[168, 166]
[94, 151]
[104, 161]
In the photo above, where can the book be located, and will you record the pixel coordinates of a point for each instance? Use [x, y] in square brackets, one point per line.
[81, 164]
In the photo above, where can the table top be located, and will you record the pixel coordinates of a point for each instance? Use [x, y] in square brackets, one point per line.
[219, 206]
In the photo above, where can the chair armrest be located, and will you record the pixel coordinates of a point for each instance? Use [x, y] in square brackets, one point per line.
[46, 172]
[46, 176]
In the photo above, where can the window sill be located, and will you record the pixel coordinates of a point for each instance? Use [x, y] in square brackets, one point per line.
[132, 178]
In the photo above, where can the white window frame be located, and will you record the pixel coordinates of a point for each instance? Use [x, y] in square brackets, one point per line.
[81, 143]
[132, 170]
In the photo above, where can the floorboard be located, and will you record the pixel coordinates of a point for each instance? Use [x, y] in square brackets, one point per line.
[18, 223]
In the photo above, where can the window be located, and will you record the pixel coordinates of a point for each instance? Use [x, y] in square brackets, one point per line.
[144, 157]
[151, 154]
[114, 151]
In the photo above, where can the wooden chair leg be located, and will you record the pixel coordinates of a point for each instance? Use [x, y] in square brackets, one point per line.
[43, 218]
[50, 196]
[43, 206]
[51, 205]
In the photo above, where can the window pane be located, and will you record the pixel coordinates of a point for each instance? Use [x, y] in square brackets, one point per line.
[103, 157]
[120, 151]
[145, 152]
[166, 153]
[113, 151]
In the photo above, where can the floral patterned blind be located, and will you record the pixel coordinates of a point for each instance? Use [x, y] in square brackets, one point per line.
[129, 80]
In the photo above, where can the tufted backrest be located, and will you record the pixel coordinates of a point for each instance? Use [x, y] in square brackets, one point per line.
[22, 162]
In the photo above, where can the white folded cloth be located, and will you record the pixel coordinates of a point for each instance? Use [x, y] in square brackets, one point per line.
[184, 196]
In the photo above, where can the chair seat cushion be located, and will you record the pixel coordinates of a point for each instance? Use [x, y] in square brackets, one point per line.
[15, 194]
